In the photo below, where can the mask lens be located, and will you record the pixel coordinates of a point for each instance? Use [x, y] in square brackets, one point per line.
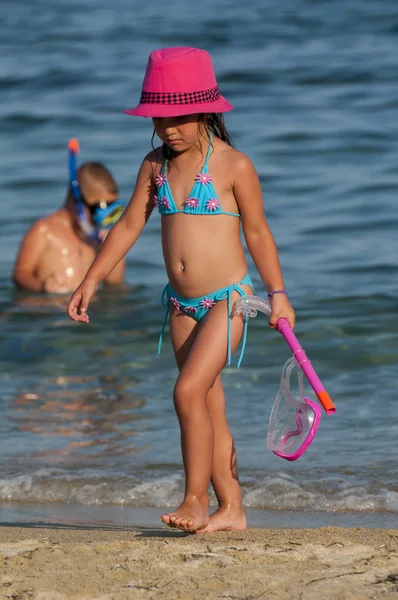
[106, 216]
[114, 215]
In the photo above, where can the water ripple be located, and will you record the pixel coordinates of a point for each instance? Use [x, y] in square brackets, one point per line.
[315, 90]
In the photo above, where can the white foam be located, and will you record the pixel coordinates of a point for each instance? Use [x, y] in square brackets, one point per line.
[274, 491]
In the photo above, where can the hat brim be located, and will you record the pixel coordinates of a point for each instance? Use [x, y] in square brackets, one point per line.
[221, 105]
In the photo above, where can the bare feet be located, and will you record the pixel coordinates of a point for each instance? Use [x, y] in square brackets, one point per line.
[191, 515]
[226, 519]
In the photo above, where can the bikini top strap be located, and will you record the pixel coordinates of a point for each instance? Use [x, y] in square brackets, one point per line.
[205, 166]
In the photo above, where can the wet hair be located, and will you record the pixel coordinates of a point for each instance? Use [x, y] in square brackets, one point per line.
[215, 122]
[94, 176]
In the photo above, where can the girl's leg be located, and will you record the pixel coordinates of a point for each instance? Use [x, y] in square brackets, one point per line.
[183, 330]
[224, 476]
[201, 368]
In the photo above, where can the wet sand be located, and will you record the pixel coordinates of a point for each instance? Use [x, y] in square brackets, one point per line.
[80, 563]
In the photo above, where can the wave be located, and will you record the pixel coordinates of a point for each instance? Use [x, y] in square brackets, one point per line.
[277, 491]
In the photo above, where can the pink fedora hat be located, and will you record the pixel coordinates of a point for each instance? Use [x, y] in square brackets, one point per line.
[179, 81]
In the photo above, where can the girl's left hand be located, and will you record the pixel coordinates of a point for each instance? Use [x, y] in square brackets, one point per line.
[281, 307]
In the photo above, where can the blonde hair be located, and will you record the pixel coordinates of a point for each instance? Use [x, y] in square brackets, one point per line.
[94, 177]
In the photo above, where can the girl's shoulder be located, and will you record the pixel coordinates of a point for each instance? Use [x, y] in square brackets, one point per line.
[232, 158]
[152, 162]
[155, 157]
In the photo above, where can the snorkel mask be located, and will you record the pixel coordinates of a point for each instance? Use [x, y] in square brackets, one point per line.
[103, 214]
[294, 419]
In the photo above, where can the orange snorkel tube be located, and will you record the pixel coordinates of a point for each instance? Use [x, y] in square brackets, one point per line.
[85, 225]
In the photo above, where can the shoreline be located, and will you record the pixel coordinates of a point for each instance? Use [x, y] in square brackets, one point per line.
[121, 516]
[79, 563]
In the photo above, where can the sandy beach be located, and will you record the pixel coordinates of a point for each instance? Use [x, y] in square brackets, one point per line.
[60, 563]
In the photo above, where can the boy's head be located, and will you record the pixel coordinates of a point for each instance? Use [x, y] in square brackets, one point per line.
[96, 184]
[97, 206]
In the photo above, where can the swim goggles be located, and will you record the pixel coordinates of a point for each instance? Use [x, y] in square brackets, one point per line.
[104, 214]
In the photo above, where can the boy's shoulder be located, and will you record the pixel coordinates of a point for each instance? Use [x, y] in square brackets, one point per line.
[39, 226]
[48, 223]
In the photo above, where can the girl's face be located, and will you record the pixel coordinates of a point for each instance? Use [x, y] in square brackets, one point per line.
[179, 133]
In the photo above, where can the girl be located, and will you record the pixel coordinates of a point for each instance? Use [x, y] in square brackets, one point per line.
[197, 173]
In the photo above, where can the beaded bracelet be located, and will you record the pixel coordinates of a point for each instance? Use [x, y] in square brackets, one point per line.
[270, 294]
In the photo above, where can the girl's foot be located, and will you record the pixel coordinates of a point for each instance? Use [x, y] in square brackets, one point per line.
[191, 515]
[226, 519]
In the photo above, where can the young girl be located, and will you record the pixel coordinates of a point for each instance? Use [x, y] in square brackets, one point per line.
[204, 189]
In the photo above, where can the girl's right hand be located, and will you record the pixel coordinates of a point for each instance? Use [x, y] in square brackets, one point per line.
[78, 304]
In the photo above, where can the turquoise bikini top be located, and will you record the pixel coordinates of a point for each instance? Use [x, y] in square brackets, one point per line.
[201, 201]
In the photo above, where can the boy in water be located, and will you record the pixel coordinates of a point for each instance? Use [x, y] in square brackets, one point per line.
[57, 251]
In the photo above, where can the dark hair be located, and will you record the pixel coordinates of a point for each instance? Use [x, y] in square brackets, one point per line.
[215, 123]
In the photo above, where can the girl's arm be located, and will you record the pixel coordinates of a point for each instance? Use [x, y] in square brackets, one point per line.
[120, 239]
[258, 236]
[127, 230]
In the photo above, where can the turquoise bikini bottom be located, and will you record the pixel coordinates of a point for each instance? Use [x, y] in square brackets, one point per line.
[197, 308]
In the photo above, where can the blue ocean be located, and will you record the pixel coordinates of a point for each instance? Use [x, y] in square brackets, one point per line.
[88, 431]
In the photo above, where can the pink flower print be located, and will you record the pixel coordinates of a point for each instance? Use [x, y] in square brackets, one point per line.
[212, 204]
[155, 200]
[177, 305]
[203, 178]
[192, 203]
[164, 202]
[190, 310]
[160, 179]
[207, 303]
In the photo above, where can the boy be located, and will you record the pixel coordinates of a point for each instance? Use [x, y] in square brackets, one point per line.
[57, 251]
